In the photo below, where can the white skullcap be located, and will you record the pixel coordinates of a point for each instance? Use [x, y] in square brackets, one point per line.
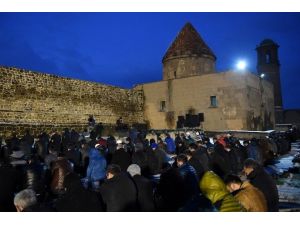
[134, 169]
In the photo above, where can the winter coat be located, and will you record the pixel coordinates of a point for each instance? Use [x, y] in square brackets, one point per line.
[190, 180]
[255, 152]
[13, 143]
[153, 163]
[97, 166]
[33, 175]
[9, 184]
[49, 159]
[25, 147]
[65, 140]
[74, 136]
[121, 158]
[251, 198]
[233, 162]
[43, 145]
[241, 155]
[140, 159]
[201, 155]
[265, 183]
[76, 198]
[26, 143]
[169, 195]
[130, 148]
[56, 142]
[218, 164]
[111, 144]
[215, 190]
[170, 145]
[144, 193]
[197, 166]
[73, 156]
[180, 146]
[119, 194]
[61, 168]
[161, 157]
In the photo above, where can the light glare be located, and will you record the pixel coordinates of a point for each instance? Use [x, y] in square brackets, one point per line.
[241, 65]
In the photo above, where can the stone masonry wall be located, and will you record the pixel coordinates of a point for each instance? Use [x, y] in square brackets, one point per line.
[38, 100]
[187, 66]
[244, 102]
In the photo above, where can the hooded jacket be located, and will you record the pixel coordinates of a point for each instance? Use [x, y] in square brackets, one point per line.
[251, 198]
[170, 145]
[265, 183]
[215, 190]
[97, 166]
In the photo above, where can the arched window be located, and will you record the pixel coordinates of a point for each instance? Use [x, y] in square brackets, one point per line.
[162, 106]
[268, 57]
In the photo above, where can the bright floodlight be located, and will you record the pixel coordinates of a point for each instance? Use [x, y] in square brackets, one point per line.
[262, 75]
[241, 65]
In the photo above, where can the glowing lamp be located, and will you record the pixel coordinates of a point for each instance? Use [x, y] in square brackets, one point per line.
[241, 65]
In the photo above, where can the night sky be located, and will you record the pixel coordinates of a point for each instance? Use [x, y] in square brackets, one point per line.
[124, 49]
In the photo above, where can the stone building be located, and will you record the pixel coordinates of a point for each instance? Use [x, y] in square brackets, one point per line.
[193, 94]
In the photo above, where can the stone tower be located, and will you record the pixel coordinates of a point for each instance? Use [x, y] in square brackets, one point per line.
[188, 55]
[268, 64]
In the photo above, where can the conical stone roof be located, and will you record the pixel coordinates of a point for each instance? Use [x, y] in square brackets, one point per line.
[188, 42]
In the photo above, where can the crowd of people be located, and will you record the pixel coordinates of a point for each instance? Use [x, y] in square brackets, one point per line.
[86, 172]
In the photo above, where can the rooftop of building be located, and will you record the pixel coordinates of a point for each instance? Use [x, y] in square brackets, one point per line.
[188, 42]
[267, 42]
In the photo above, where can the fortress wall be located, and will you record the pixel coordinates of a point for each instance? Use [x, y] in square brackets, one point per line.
[38, 100]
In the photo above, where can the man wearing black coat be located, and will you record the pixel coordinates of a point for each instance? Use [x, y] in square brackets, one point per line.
[194, 162]
[160, 155]
[27, 142]
[140, 158]
[26, 201]
[76, 198]
[153, 162]
[189, 175]
[55, 141]
[241, 154]
[33, 176]
[169, 194]
[200, 154]
[14, 142]
[73, 155]
[264, 182]
[218, 164]
[118, 192]
[121, 158]
[10, 180]
[66, 139]
[144, 189]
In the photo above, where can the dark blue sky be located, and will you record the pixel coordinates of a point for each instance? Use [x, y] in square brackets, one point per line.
[124, 49]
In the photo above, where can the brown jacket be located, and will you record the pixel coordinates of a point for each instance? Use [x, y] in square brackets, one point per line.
[251, 198]
[60, 170]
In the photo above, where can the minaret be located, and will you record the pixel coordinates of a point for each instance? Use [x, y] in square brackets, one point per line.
[188, 56]
[268, 64]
